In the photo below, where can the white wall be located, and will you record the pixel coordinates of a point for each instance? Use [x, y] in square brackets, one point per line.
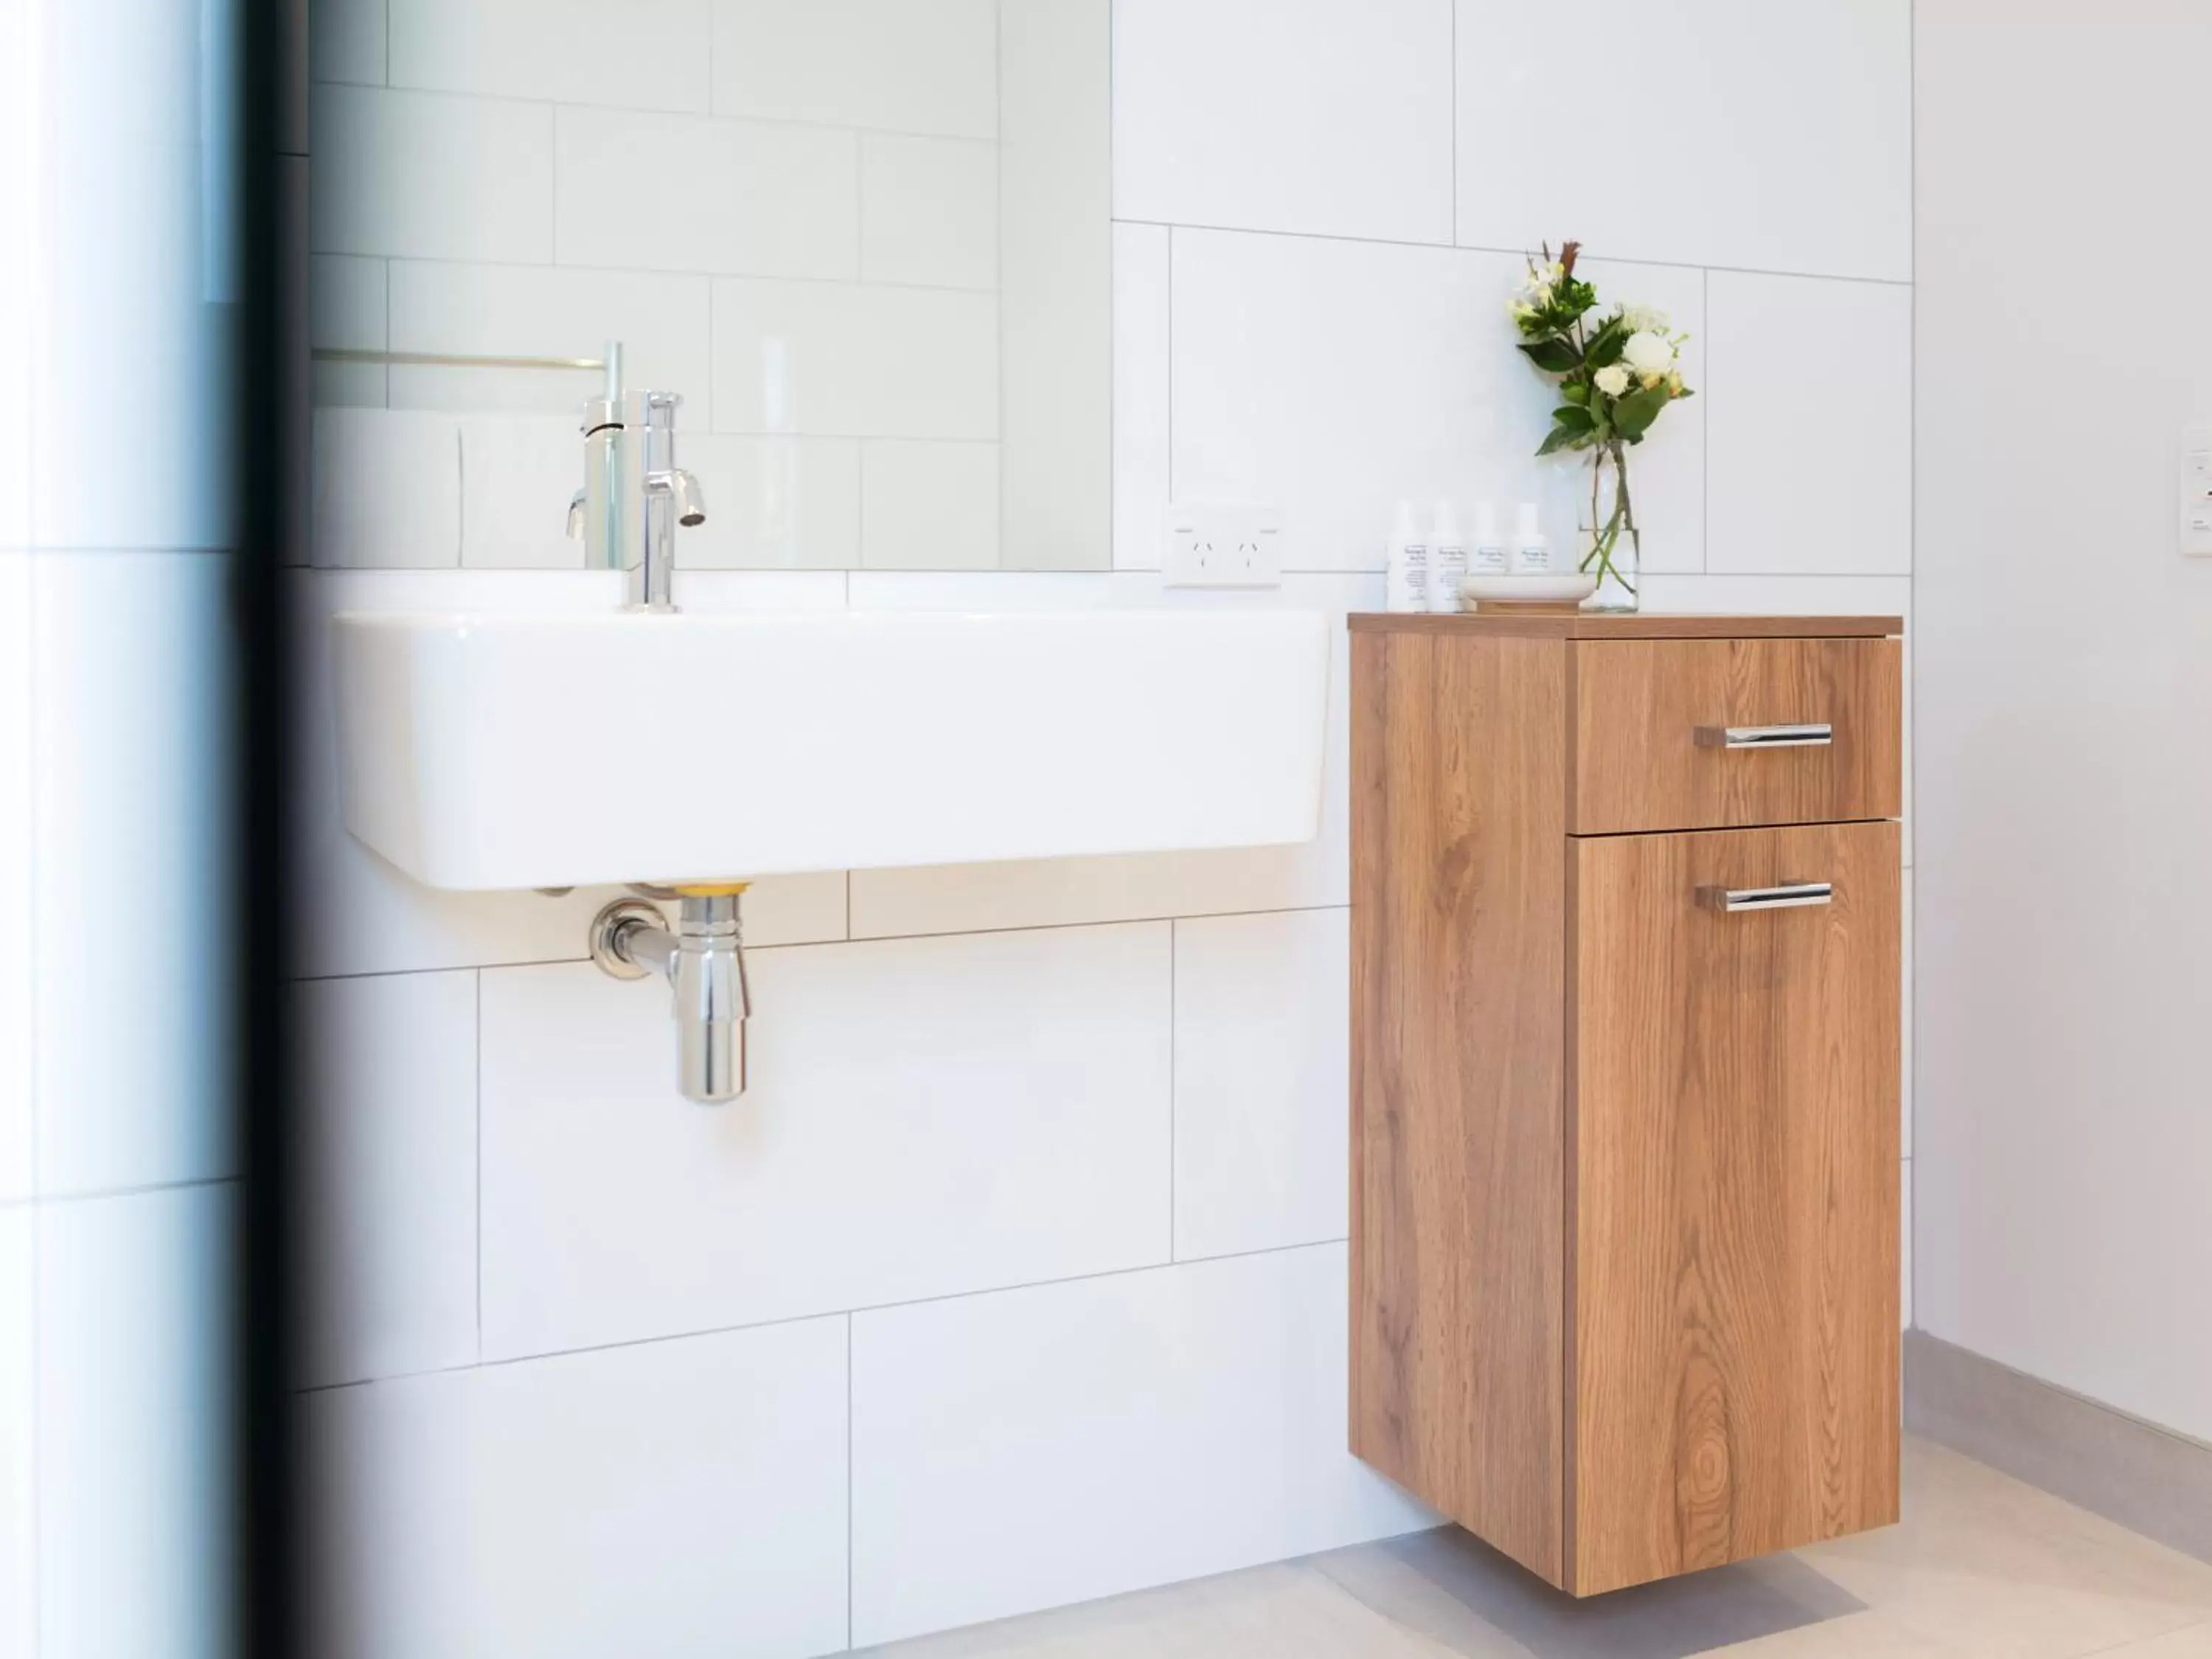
[2065, 667]
[1019, 1277]
[116, 1160]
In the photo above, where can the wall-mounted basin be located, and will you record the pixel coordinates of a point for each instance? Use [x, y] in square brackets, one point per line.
[509, 750]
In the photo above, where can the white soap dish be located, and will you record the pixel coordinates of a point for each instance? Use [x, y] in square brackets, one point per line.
[1555, 589]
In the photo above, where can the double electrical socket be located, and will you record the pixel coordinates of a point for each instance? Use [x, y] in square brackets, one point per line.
[1213, 545]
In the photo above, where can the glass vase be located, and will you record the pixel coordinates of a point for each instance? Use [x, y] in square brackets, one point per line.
[1607, 544]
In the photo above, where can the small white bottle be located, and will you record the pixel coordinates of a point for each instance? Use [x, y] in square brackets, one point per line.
[1532, 554]
[1406, 585]
[1447, 560]
[1488, 556]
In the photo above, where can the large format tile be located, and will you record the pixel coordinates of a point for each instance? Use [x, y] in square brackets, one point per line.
[1172, 1423]
[1771, 137]
[1282, 1611]
[660, 318]
[681, 192]
[518, 473]
[346, 41]
[359, 914]
[929, 211]
[917, 66]
[388, 1115]
[134, 1421]
[131, 731]
[642, 54]
[849, 360]
[386, 490]
[772, 502]
[953, 898]
[929, 505]
[18, 875]
[676, 1498]
[925, 1117]
[346, 308]
[1326, 117]
[1308, 375]
[1262, 1080]
[1834, 501]
[1142, 336]
[429, 176]
[1991, 1566]
[19, 1469]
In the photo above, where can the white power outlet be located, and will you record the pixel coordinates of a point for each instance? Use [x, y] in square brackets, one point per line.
[1222, 546]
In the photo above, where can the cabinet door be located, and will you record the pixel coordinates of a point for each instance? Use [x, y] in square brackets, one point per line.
[1733, 1227]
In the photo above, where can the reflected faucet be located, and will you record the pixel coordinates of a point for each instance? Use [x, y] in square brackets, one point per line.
[634, 495]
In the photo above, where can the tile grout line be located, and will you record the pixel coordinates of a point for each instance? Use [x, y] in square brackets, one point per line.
[479, 1205]
[1175, 1066]
[847, 1313]
[32, 1203]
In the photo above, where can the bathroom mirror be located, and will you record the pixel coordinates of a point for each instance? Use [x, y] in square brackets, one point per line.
[867, 241]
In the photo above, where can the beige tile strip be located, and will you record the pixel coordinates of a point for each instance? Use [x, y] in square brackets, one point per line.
[2149, 1480]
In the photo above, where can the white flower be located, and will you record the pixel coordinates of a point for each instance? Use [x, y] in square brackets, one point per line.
[1649, 355]
[1644, 319]
[1613, 379]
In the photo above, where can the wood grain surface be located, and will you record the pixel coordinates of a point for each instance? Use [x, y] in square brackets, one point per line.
[1459, 879]
[1638, 705]
[1735, 1200]
[1644, 625]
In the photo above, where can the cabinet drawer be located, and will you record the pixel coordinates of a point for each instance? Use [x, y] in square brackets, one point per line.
[1694, 735]
[1733, 1163]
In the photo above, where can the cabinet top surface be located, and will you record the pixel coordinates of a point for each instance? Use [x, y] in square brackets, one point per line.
[1643, 625]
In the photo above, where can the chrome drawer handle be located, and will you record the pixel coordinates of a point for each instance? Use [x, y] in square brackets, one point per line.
[1765, 737]
[1790, 896]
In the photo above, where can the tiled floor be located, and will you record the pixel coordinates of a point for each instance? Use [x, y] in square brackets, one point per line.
[1982, 1566]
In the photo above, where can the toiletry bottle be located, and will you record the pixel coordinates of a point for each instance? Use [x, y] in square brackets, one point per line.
[1488, 556]
[1406, 585]
[1532, 554]
[1447, 560]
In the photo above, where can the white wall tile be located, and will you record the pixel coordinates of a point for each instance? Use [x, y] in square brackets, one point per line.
[518, 473]
[360, 915]
[133, 843]
[18, 1437]
[134, 1424]
[18, 874]
[929, 211]
[1263, 1067]
[1142, 331]
[1771, 137]
[431, 176]
[387, 490]
[1330, 379]
[951, 898]
[929, 505]
[925, 1117]
[919, 66]
[346, 308]
[661, 320]
[974, 1417]
[681, 192]
[791, 503]
[1327, 117]
[346, 41]
[675, 1497]
[641, 54]
[1835, 499]
[848, 361]
[389, 1139]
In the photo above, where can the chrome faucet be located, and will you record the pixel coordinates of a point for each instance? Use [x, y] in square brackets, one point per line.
[634, 495]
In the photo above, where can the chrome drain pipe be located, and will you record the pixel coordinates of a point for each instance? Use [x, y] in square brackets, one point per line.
[703, 960]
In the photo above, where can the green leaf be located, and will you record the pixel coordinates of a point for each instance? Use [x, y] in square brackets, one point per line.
[1562, 437]
[1605, 345]
[1575, 391]
[1574, 418]
[1634, 415]
[1553, 357]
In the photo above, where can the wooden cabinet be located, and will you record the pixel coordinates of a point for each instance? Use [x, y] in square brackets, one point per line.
[1624, 1081]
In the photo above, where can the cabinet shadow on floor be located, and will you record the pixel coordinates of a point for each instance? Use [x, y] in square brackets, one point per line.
[1457, 1591]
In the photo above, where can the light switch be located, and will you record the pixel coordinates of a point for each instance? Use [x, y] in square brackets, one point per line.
[2197, 492]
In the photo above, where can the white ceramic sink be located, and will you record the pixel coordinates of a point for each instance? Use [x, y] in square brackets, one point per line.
[510, 749]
